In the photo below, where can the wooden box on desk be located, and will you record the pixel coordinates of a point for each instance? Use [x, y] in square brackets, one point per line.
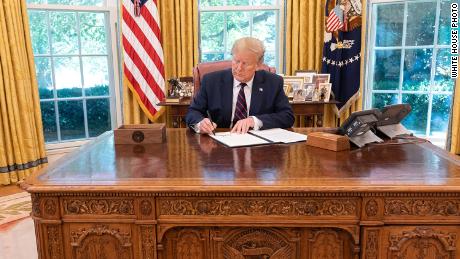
[328, 141]
[140, 134]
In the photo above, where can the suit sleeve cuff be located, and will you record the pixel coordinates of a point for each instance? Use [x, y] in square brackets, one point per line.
[196, 127]
[258, 124]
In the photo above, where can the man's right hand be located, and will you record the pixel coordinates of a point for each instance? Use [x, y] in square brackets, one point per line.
[206, 126]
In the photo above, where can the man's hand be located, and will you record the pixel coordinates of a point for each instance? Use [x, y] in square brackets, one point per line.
[243, 126]
[206, 126]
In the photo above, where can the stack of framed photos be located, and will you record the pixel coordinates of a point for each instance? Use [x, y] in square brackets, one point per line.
[308, 86]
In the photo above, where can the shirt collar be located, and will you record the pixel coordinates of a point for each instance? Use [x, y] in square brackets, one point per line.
[237, 83]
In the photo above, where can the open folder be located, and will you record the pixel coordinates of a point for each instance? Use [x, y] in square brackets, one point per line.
[258, 137]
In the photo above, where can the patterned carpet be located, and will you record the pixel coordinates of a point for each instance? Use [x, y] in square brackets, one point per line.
[14, 207]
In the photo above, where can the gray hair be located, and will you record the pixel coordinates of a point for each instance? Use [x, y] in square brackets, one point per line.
[251, 44]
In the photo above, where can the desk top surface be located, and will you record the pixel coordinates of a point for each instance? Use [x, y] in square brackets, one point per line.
[192, 162]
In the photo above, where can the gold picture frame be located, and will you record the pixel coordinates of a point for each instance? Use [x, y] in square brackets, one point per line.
[292, 83]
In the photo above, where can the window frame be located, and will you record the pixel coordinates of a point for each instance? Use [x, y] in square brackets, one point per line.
[368, 90]
[279, 45]
[110, 10]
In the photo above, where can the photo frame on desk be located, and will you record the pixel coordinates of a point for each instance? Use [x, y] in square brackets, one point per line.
[299, 95]
[309, 89]
[291, 84]
[324, 92]
[306, 74]
[321, 78]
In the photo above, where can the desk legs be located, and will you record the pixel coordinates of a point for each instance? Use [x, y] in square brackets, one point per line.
[308, 120]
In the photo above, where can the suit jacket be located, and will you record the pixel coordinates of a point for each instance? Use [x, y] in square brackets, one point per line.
[268, 101]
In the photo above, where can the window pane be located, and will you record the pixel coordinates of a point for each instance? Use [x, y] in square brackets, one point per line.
[237, 27]
[95, 76]
[67, 74]
[416, 121]
[92, 33]
[387, 69]
[440, 115]
[212, 57]
[442, 80]
[379, 100]
[264, 28]
[420, 23]
[43, 71]
[63, 33]
[49, 121]
[417, 69]
[39, 31]
[212, 31]
[444, 23]
[389, 24]
[263, 2]
[211, 2]
[71, 119]
[36, 1]
[237, 2]
[98, 113]
[270, 58]
[77, 2]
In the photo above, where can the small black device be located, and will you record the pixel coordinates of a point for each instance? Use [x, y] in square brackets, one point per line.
[360, 122]
[357, 127]
[390, 120]
[393, 114]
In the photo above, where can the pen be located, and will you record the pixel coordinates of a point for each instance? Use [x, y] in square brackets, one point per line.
[212, 123]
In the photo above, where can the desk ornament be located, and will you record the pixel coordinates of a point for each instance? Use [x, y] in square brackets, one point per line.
[328, 141]
[140, 134]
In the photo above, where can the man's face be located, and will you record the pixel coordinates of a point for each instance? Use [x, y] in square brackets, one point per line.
[244, 65]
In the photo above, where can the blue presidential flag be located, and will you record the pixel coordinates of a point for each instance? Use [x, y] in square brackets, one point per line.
[342, 50]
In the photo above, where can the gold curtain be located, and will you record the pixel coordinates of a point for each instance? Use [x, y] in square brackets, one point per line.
[179, 31]
[455, 138]
[22, 149]
[304, 45]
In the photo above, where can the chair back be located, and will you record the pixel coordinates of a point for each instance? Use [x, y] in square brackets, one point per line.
[202, 69]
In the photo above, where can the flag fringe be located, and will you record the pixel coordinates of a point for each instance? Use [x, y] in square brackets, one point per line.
[152, 117]
[347, 105]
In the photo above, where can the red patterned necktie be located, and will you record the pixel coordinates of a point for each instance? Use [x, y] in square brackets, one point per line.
[241, 110]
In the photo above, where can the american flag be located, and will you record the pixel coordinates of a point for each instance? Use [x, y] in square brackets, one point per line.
[143, 62]
[335, 19]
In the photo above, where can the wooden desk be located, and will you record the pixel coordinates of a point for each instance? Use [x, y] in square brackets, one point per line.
[194, 198]
[307, 114]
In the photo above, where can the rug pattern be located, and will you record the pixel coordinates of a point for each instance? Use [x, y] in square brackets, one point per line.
[14, 207]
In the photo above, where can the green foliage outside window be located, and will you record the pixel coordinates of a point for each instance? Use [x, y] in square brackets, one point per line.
[70, 53]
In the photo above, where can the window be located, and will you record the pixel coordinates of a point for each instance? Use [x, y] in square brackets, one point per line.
[409, 62]
[74, 66]
[222, 22]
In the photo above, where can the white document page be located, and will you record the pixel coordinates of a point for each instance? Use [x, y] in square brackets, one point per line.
[238, 140]
[280, 135]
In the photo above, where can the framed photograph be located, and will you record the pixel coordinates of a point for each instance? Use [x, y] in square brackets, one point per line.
[308, 76]
[309, 88]
[324, 92]
[315, 94]
[288, 90]
[292, 83]
[321, 78]
[299, 95]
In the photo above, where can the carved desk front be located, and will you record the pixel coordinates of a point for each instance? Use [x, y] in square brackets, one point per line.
[194, 198]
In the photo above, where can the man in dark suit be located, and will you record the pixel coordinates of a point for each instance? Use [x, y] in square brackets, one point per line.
[241, 98]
